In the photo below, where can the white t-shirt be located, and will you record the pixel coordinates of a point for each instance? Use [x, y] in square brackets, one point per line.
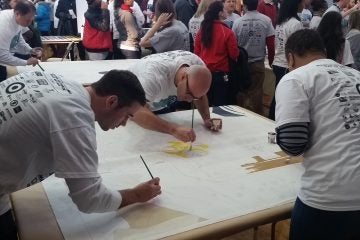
[156, 74]
[347, 58]
[251, 31]
[194, 25]
[46, 126]
[315, 21]
[327, 96]
[11, 39]
[231, 18]
[282, 33]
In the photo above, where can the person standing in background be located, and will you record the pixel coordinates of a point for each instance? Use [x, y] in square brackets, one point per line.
[129, 31]
[66, 13]
[318, 7]
[268, 8]
[337, 47]
[254, 32]
[195, 21]
[97, 38]
[185, 9]
[288, 23]
[229, 7]
[353, 36]
[42, 17]
[215, 43]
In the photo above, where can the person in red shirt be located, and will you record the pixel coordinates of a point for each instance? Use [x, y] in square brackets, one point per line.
[268, 8]
[215, 44]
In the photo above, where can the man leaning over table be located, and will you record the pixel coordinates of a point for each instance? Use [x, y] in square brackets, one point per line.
[167, 78]
[47, 125]
[12, 22]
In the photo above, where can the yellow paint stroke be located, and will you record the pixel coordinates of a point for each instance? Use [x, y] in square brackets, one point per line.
[262, 164]
[182, 149]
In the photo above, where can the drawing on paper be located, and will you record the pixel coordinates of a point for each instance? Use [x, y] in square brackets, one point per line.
[181, 149]
[152, 218]
[262, 164]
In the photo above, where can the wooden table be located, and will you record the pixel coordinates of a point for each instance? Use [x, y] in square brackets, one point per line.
[239, 183]
[71, 42]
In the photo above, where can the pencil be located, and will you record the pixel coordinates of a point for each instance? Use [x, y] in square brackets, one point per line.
[41, 67]
[146, 167]
[192, 120]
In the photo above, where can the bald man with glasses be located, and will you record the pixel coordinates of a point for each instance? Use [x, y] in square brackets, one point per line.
[167, 78]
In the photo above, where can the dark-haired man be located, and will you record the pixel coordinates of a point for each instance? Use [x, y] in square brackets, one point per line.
[47, 126]
[317, 115]
[12, 23]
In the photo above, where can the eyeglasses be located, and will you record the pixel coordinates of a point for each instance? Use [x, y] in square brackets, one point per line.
[188, 90]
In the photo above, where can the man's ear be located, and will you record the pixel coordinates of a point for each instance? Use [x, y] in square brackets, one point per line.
[111, 102]
[291, 61]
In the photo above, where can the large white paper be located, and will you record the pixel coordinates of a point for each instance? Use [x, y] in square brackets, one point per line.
[204, 188]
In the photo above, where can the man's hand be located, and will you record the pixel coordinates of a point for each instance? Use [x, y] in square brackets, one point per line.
[184, 134]
[214, 124]
[36, 52]
[32, 61]
[141, 193]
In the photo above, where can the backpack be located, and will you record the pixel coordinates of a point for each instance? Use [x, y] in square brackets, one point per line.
[239, 75]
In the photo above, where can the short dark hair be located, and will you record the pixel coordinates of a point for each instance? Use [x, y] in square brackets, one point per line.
[24, 7]
[288, 9]
[251, 5]
[122, 83]
[164, 6]
[303, 42]
[318, 5]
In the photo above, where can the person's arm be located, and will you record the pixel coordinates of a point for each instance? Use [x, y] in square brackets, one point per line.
[90, 195]
[270, 44]
[232, 47]
[22, 47]
[203, 107]
[164, 19]
[293, 138]
[351, 10]
[148, 120]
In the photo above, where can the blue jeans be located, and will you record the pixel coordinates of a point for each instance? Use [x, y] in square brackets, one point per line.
[309, 223]
[279, 73]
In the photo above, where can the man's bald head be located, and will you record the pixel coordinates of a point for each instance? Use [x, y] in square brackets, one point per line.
[199, 78]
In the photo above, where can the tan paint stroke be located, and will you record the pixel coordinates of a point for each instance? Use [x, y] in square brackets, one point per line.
[262, 164]
[150, 216]
[182, 149]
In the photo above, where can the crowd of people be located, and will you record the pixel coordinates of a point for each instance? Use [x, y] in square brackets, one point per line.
[196, 49]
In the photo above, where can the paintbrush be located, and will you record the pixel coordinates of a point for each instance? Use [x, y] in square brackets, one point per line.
[146, 167]
[192, 121]
[41, 67]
